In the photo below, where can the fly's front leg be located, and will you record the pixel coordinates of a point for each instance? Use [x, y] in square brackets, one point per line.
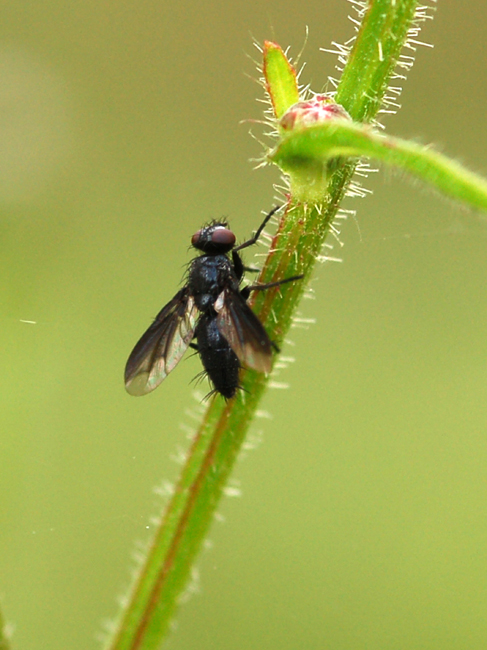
[238, 264]
[253, 240]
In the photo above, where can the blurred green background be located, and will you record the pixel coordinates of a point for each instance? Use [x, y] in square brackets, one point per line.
[363, 517]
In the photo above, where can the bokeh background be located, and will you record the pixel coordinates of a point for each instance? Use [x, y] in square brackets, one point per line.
[363, 516]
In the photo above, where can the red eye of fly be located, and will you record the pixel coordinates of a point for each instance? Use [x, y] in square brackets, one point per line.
[196, 238]
[223, 236]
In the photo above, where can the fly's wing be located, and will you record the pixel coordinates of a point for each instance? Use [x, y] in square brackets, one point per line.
[244, 331]
[161, 347]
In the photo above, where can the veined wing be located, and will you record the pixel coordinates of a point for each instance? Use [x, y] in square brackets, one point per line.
[161, 347]
[244, 331]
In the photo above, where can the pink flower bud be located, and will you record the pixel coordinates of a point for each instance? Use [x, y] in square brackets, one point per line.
[318, 109]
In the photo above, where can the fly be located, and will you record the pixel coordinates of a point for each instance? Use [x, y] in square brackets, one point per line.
[212, 309]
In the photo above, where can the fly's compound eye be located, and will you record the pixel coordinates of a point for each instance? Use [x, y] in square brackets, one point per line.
[214, 239]
[223, 237]
[196, 238]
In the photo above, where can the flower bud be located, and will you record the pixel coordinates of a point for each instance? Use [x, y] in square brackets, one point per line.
[313, 111]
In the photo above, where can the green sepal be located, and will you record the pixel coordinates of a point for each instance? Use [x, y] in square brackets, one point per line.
[280, 77]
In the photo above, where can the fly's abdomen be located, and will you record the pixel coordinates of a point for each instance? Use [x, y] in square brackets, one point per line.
[218, 358]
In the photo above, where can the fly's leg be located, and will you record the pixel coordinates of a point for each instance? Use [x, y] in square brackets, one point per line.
[240, 268]
[258, 232]
[246, 291]
[262, 287]
[251, 269]
[237, 260]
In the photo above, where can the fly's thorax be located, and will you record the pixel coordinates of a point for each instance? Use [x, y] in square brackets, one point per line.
[208, 276]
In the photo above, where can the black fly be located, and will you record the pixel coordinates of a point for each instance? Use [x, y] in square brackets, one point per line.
[212, 309]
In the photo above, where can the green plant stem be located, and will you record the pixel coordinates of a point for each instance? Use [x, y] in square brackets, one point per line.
[374, 56]
[307, 151]
[300, 234]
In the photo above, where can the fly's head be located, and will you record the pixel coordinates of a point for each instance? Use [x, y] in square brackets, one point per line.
[214, 239]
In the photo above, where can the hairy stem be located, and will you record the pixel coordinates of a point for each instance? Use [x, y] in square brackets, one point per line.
[301, 231]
